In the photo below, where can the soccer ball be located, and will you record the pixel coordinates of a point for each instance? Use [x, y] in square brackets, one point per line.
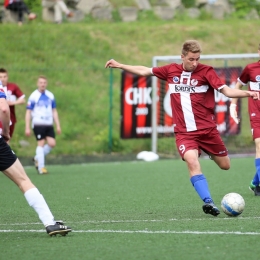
[233, 204]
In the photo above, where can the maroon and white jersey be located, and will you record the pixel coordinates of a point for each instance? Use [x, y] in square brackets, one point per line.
[13, 92]
[192, 95]
[251, 76]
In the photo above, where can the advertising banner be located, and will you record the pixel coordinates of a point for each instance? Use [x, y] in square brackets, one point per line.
[136, 106]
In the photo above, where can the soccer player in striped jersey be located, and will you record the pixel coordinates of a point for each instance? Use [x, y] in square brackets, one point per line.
[192, 86]
[250, 77]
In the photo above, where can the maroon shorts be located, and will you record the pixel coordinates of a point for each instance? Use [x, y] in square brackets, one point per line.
[208, 140]
[255, 128]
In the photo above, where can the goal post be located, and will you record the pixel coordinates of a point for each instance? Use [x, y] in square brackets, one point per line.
[214, 60]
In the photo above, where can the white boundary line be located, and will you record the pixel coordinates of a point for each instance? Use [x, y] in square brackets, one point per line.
[135, 221]
[143, 232]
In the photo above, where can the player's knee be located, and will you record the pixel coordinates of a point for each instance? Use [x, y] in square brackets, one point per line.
[193, 164]
[225, 166]
[52, 144]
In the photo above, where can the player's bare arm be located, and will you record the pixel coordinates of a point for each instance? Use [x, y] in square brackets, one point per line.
[237, 93]
[138, 70]
[19, 101]
[233, 105]
[27, 122]
[56, 120]
[5, 118]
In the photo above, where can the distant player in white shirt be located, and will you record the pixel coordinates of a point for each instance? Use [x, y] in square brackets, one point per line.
[41, 113]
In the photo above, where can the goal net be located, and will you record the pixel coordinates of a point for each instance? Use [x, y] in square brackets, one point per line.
[237, 138]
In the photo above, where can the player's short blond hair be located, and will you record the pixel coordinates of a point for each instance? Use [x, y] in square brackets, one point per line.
[42, 77]
[191, 46]
[259, 46]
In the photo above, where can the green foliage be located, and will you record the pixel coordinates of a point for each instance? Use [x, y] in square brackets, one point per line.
[204, 15]
[188, 3]
[116, 16]
[33, 5]
[147, 15]
[243, 7]
[102, 138]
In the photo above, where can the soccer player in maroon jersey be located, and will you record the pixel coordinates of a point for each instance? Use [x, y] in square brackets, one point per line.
[14, 97]
[251, 76]
[192, 86]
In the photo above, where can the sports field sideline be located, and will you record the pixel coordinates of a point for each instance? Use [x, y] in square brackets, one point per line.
[131, 210]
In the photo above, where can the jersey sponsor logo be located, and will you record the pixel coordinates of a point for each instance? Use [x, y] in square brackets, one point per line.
[257, 78]
[175, 79]
[254, 86]
[179, 88]
[194, 82]
[176, 88]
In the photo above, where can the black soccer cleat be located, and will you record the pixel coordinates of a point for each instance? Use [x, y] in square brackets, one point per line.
[58, 229]
[210, 208]
[257, 190]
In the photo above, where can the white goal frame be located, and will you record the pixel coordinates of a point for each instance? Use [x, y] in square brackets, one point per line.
[177, 59]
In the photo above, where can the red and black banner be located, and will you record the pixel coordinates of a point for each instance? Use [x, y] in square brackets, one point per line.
[136, 106]
[136, 101]
[225, 124]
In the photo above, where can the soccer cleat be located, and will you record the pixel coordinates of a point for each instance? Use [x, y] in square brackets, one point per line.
[252, 187]
[210, 208]
[58, 229]
[35, 163]
[43, 171]
[257, 190]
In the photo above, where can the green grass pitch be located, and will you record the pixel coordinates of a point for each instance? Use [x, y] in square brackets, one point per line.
[131, 210]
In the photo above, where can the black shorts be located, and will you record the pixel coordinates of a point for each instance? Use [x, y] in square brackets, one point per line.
[42, 131]
[7, 156]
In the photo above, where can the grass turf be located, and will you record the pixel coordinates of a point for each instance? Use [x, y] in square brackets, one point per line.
[131, 210]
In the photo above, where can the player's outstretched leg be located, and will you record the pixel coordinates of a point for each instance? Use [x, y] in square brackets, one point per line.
[34, 198]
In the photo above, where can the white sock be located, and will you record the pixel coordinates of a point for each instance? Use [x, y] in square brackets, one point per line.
[37, 201]
[40, 157]
[47, 149]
